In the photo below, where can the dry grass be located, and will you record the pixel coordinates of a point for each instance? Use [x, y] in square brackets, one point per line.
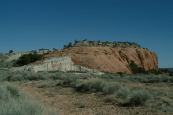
[98, 94]
[14, 102]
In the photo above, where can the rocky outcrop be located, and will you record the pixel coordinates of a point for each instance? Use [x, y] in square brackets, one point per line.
[64, 64]
[109, 59]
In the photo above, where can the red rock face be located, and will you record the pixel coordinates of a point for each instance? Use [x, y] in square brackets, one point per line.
[108, 59]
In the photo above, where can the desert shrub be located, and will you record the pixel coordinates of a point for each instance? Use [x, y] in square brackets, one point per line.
[170, 74]
[123, 93]
[150, 78]
[143, 78]
[137, 97]
[25, 75]
[155, 71]
[67, 75]
[5, 64]
[56, 75]
[112, 77]
[68, 80]
[16, 76]
[120, 73]
[97, 85]
[48, 84]
[127, 97]
[13, 102]
[4, 74]
[146, 78]
[168, 71]
[119, 97]
[111, 99]
[163, 104]
[93, 85]
[81, 104]
[162, 101]
[110, 88]
[28, 58]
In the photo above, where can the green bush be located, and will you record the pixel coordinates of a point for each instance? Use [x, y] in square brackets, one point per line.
[135, 68]
[28, 58]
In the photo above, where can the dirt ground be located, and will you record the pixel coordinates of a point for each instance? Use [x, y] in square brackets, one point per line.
[66, 101]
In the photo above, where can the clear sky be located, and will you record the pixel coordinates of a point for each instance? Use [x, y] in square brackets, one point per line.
[33, 24]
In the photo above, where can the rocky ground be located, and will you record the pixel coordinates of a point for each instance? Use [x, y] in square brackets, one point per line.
[66, 101]
[71, 93]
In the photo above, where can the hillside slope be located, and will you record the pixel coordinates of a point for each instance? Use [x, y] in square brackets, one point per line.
[108, 59]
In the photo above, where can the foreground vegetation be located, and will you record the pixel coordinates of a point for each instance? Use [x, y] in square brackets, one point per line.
[14, 102]
[153, 92]
[27, 59]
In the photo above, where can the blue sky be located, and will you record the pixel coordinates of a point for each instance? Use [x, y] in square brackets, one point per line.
[33, 24]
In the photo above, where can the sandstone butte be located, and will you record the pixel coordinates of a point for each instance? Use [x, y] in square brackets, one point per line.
[108, 59]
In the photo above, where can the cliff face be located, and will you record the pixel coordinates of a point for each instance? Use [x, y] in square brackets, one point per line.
[64, 64]
[107, 59]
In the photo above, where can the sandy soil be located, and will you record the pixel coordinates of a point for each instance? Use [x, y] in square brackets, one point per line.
[66, 101]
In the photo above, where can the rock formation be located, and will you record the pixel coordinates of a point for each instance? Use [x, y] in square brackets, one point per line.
[109, 59]
[64, 64]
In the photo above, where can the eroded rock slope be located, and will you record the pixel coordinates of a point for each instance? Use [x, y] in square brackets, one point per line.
[108, 59]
